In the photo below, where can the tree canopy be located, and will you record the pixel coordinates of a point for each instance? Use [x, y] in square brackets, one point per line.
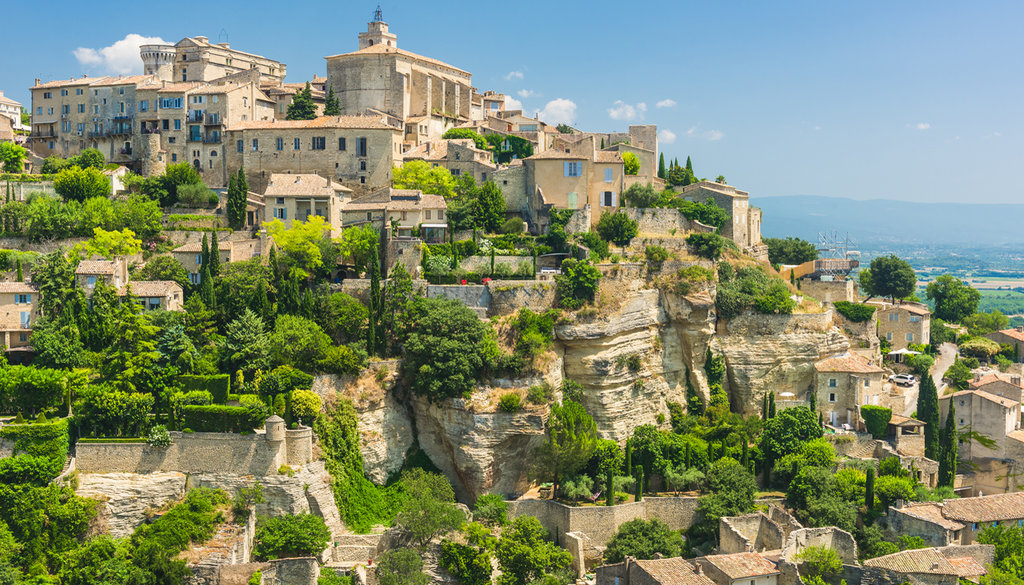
[889, 276]
[790, 250]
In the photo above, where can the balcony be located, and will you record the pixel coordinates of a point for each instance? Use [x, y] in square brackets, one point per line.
[194, 116]
[215, 139]
[213, 120]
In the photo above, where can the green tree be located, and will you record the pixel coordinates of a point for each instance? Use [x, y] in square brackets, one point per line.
[617, 227]
[237, 200]
[869, 489]
[577, 283]
[949, 448]
[786, 432]
[790, 250]
[165, 187]
[77, 184]
[525, 555]
[890, 488]
[890, 276]
[429, 508]
[302, 107]
[642, 539]
[820, 562]
[347, 318]
[982, 323]
[302, 243]
[298, 535]
[490, 207]
[128, 361]
[57, 344]
[374, 343]
[1009, 547]
[465, 133]
[298, 342]
[357, 243]
[706, 245]
[12, 157]
[954, 300]
[630, 163]
[164, 268]
[401, 566]
[247, 345]
[332, 107]
[571, 440]
[418, 174]
[928, 413]
[104, 244]
[661, 166]
[468, 564]
[90, 158]
[206, 287]
[491, 509]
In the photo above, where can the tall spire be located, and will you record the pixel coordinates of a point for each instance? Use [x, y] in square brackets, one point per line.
[378, 16]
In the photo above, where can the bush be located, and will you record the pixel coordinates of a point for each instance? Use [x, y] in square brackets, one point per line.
[513, 225]
[510, 402]
[876, 419]
[257, 578]
[300, 535]
[540, 393]
[305, 406]
[617, 227]
[692, 277]
[218, 385]
[491, 509]
[856, 312]
[750, 287]
[39, 440]
[820, 562]
[159, 437]
[77, 184]
[706, 245]
[642, 539]
[655, 254]
[197, 195]
[29, 470]
[577, 283]
[101, 412]
[257, 410]
[595, 243]
[216, 418]
[921, 364]
[193, 398]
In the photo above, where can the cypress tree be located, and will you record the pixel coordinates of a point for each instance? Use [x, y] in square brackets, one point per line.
[746, 455]
[21, 277]
[771, 405]
[204, 256]
[243, 188]
[215, 257]
[869, 489]
[375, 303]
[629, 456]
[206, 287]
[638, 476]
[949, 450]
[661, 166]
[689, 165]
[274, 278]
[602, 142]
[764, 407]
[609, 488]
[928, 413]
[237, 199]
[821, 419]
[331, 105]
[814, 399]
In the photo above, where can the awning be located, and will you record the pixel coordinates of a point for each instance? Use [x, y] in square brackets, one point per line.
[904, 351]
[434, 225]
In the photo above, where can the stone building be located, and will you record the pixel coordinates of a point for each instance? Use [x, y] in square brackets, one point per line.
[994, 416]
[661, 571]
[197, 59]
[744, 568]
[383, 77]
[113, 273]
[928, 566]
[356, 151]
[959, 520]
[282, 95]
[460, 156]
[903, 323]
[11, 110]
[297, 197]
[158, 294]
[191, 257]
[1014, 337]
[744, 225]
[404, 211]
[843, 384]
[19, 308]
[1003, 385]
[62, 114]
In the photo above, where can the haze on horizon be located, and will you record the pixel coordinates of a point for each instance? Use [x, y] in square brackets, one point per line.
[915, 101]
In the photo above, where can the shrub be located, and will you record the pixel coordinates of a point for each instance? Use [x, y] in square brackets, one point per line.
[577, 283]
[750, 287]
[300, 535]
[46, 440]
[155, 546]
[540, 393]
[642, 539]
[305, 406]
[513, 225]
[101, 412]
[198, 195]
[77, 184]
[257, 578]
[617, 227]
[856, 312]
[706, 245]
[192, 398]
[491, 509]
[159, 437]
[572, 390]
[876, 419]
[257, 411]
[29, 470]
[216, 418]
[595, 243]
[510, 402]
[245, 499]
[655, 254]
[921, 364]
[218, 385]
[820, 562]
[692, 277]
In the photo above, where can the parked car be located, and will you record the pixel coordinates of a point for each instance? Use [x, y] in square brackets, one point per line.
[902, 379]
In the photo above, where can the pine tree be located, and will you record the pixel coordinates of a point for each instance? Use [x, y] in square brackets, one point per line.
[928, 413]
[949, 449]
[206, 287]
[661, 166]
[331, 105]
[372, 329]
[21, 277]
[215, 257]
[302, 106]
[869, 489]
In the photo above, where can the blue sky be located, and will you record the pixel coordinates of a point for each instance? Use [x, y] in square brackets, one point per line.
[916, 101]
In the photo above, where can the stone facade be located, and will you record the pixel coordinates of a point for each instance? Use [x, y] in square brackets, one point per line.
[829, 291]
[757, 532]
[1014, 337]
[459, 156]
[903, 323]
[744, 225]
[843, 384]
[19, 309]
[997, 417]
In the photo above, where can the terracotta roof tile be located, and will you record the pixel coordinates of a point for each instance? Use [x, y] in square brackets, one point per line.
[396, 200]
[1005, 402]
[743, 565]
[847, 362]
[385, 50]
[993, 377]
[197, 246]
[154, 288]
[1013, 333]
[128, 80]
[673, 571]
[967, 567]
[923, 560]
[930, 512]
[68, 82]
[602, 156]
[900, 420]
[18, 287]
[285, 185]
[96, 267]
[985, 508]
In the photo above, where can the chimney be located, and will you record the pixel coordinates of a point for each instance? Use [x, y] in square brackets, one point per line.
[1015, 380]
[37, 81]
[700, 569]
[1020, 328]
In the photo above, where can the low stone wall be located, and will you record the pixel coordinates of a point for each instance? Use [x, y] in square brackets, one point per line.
[197, 453]
[301, 571]
[508, 296]
[600, 523]
[483, 263]
[471, 295]
[828, 291]
[664, 221]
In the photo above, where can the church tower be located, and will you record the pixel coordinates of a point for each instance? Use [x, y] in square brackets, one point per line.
[377, 33]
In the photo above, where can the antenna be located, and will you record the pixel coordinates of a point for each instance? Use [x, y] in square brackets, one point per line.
[377, 15]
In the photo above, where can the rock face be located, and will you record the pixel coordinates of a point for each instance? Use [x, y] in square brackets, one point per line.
[126, 497]
[386, 434]
[774, 353]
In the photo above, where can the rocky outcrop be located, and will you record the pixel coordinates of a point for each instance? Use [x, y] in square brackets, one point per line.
[385, 435]
[774, 353]
[126, 498]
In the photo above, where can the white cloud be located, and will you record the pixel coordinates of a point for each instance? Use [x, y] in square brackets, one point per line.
[558, 111]
[525, 93]
[711, 135]
[666, 136]
[512, 103]
[620, 110]
[122, 57]
[923, 125]
[514, 75]
[667, 103]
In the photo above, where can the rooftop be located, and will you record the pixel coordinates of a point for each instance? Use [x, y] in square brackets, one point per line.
[674, 571]
[847, 362]
[154, 288]
[718, 187]
[385, 50]
[85, 80]
[993, 377]
[905, 421]
[197, 246]
[985, 508]
[284, 185]
[1004, 402]
[396, 200]
[96, 267]
[923, 560]
[1015, 333]
[967, 567]
[743, 565]
[931, 512]
[18, 287]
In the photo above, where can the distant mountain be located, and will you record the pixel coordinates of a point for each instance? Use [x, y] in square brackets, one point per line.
[881, 222]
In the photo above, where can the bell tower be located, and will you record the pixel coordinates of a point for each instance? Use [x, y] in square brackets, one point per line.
[377, 33]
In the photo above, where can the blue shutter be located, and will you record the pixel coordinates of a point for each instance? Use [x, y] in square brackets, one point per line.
[565, 167]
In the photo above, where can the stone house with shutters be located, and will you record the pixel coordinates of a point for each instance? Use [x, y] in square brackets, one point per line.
[404, 211]
[190, 255]
[114, 273]
[158, 294]
[930, 566]
[19, 309]
[298, 197]
[1014, 337]
[744, 568]
[903, 323]
[459, 156]
[843, 384]
[659, 571]
[957, 521]
[744, 225]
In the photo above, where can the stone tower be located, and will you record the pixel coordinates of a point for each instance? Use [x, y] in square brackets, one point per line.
[377, 33]
[158, 60]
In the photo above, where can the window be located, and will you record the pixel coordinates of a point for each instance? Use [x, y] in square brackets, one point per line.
[831, 396]
[608, 199]
[440, 214]
[570, 200]
[255, 144]
[63, 92]
[483, 177]
[39, 111]
[174, 157]
[297, 141]
[122, 107]
[362, 180]
[65, 109]
[120, 90]
[832, 382]
[199, 258]
[572, 169]
[47, 95]
[194, 277]
[608, 174]
[360, 147]
[49, 110]
[341, 144]
[866, 383]
[240, 145]
[279, 144]
[281, 213]
[22, 299]
[23, 336]
[26, 319]
[974, 526]
[177, 124]
[894, 317]
[910, 337]
[888, 336]
[426, 214]
[404, 215]
[167, 124]
[280, 200]
[90, 281]
[455, 172]
[78, 91]
[915, 318]
[318, 143]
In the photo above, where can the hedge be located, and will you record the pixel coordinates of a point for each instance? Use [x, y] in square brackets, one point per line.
[855, 312]
[216, 419]
[40, 440]
[219, 385]
[876, 419]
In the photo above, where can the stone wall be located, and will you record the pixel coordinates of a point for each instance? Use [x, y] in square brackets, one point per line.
[20, 190]
[508, 296]
[301, 571]
[580, 221]
[195, 453]
[483, 263]
[405, 251]
[829, 291]
[471, 295]
[512, 181]
[664, 221]
[600, 523]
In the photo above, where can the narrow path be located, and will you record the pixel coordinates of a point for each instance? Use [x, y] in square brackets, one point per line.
[947, 355]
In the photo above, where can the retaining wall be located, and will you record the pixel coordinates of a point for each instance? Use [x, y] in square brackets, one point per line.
[508, 296]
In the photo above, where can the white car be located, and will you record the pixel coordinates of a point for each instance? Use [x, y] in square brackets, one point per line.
[902, 379]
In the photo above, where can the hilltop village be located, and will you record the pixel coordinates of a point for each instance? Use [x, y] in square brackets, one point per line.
[379, 327]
